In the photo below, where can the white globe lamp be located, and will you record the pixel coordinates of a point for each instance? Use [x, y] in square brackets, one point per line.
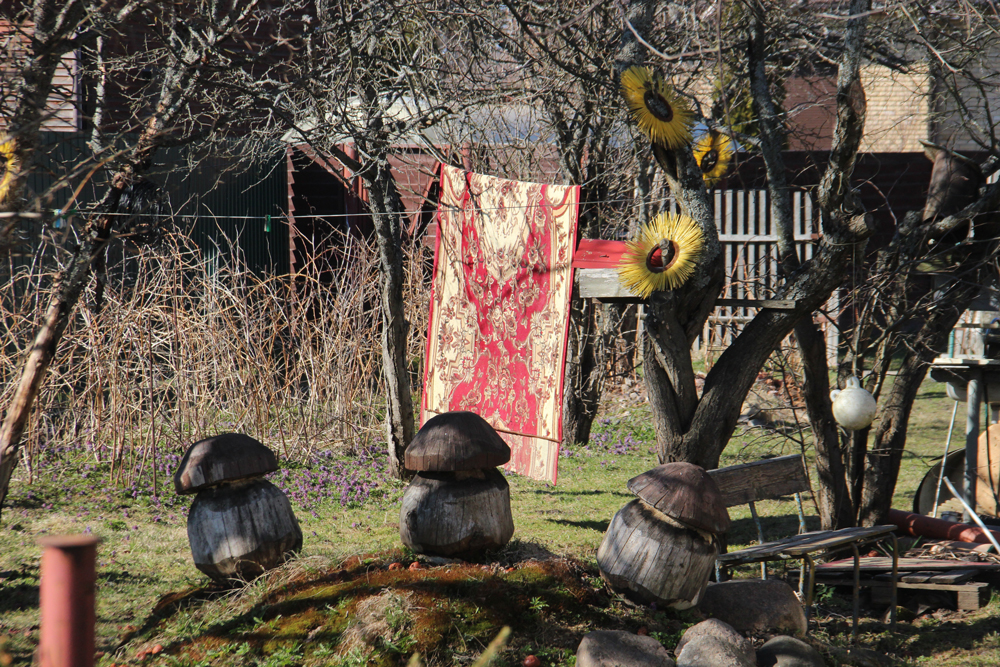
[853, 407]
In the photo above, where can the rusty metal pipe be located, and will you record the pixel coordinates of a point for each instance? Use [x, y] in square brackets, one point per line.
[919, 525]
[66, 601]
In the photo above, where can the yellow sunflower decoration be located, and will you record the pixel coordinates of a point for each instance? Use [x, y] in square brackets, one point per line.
[8, 164]
[656, 109]
[663, 256]
[713, 151]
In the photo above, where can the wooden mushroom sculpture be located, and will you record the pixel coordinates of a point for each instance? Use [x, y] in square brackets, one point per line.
[239, 524]
[661, 547]
[458, 503]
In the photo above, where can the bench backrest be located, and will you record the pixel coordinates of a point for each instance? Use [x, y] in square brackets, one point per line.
[761, 480]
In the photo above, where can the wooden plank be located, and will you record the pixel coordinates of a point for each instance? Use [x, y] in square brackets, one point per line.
[776, 304]
[601, 284]
[968, 597]
[881, 563]
[838, 538]
[761, 480]
[598, 254]
[953, 577]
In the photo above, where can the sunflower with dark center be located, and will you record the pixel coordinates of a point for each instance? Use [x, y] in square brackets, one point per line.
[663, 256]
[713, 151]
[656, 108]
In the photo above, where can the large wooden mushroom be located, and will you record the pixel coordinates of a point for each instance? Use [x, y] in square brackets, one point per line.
[662, 547]
[239, 524]
[458, 503]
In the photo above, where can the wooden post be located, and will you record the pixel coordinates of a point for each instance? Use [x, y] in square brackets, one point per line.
[66, 601]
[972, 439]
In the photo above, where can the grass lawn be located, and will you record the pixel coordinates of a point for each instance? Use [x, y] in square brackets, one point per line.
[340, 598]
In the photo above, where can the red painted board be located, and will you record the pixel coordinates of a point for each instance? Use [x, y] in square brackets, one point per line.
[598, 254]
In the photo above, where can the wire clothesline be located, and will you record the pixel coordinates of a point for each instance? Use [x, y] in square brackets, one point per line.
[60, 213]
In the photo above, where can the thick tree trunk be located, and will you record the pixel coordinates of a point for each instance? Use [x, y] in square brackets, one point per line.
[584, 378]
[830, 486]
[881, 468]
[387, 213]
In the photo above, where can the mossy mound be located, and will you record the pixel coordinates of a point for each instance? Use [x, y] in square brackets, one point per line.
[381, 609]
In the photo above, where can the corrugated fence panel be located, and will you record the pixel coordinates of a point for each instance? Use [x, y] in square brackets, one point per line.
[223, 204]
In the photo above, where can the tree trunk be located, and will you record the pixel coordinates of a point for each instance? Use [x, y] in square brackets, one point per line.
[584, 378]
[387, 213]
[830, 487]
[886, 453]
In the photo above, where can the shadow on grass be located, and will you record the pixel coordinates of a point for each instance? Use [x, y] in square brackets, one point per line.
[599, 526]
[172, 603]
[554, 492]
[927, 637]
[18, 597]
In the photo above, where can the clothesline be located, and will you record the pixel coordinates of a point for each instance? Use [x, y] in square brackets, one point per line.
[60, 213]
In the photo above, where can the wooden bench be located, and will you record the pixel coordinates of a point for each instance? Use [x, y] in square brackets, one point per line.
[781, 476]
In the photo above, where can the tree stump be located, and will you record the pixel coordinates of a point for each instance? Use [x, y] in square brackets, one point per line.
[239, 524]
[237, 531]
[648, 557]
[456, 514]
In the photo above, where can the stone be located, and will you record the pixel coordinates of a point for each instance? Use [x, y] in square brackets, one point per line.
[785, 651]
[755, 606]
[614, 648]
[713, 627]
[709, 651]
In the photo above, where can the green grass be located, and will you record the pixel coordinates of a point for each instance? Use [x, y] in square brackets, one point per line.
[149, 593]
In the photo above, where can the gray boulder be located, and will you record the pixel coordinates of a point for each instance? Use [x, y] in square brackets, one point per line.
[755, 606]
[784, 651]
[713, 627]
[614, 648]
[709, 651]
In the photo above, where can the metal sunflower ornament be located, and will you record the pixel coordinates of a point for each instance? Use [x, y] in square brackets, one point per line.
[713, 151]
[663, 256]
[659, 112]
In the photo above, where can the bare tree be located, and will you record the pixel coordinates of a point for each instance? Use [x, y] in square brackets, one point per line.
[195, 49]
[695, 427]
[369, 79]
[37, 37]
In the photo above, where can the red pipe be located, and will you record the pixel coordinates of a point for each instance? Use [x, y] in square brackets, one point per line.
[939, 529]
[66, 601]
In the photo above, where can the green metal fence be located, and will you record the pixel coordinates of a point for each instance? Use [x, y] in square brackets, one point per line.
[227, 205]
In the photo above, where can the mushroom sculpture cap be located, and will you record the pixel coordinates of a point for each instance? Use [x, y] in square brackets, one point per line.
[454, 441]
[684, 492]
[224, 458]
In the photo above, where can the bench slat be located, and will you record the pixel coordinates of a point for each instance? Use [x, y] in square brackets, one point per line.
[761, 480]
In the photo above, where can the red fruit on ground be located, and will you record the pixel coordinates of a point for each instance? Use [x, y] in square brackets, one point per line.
[395, 566]
[642, 631]
[415, 565]
[532, 661]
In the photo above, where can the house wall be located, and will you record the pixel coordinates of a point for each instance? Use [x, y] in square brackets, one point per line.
[61, 111]
[968, 131]
[898, 114]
